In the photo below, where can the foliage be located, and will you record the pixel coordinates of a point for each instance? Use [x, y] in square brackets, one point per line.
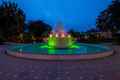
[39, 28]
[116, 38]
[109, 19]
[74, 33]
[21, 38]
[11, 18]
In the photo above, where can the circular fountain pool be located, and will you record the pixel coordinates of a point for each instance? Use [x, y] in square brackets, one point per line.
[35, 51]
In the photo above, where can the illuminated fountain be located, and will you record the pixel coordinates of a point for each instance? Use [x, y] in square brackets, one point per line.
[59, 39]
[59, 46]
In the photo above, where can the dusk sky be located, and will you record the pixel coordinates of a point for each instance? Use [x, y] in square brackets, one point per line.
[76, 14]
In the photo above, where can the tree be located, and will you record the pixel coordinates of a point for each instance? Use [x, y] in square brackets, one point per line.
[74, 33]
[11, 19]
[109, 19]
[39, 28]
[92, 30]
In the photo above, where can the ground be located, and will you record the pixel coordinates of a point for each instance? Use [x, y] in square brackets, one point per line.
[12, 68]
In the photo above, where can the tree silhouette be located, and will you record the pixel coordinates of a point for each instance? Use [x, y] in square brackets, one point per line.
[109, 19]
[11, 19]
[74, 33]
[39, 28]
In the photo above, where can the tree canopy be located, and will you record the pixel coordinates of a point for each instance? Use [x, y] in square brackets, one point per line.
[39, 28]
[109, 19]
[11, 19]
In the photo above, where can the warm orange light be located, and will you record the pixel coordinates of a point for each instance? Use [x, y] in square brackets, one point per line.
[63, 35]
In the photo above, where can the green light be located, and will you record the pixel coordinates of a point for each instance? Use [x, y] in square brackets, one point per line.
[51, 51]
[74, 46]
[46, 46]
[52, 41]
[71, 43]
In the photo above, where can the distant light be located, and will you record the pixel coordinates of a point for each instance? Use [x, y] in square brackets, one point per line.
[56, 35]
[51, 35]
[63, 35]
[69, 36]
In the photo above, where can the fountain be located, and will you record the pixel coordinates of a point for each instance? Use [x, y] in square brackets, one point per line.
[59, 46]
[59, 39]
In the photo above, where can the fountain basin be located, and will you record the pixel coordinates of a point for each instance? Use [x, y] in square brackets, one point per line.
[84, 52]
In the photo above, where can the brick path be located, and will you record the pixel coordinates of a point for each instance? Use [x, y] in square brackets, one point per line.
[12, 68]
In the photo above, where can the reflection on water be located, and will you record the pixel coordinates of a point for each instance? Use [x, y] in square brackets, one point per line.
[44, 49]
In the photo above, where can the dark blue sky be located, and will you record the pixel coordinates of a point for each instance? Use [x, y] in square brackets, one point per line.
[77, 14]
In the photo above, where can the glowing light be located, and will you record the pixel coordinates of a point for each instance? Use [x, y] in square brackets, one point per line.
[63, 35]
[56, 35]
[65, 41]
[74, 46]
[69, 36]
[52, 41]
[51, 51]
[51, 35]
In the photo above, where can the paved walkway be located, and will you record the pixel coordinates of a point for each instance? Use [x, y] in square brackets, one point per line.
[12, 68]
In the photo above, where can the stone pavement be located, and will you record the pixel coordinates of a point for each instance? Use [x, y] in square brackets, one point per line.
[12, 68]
